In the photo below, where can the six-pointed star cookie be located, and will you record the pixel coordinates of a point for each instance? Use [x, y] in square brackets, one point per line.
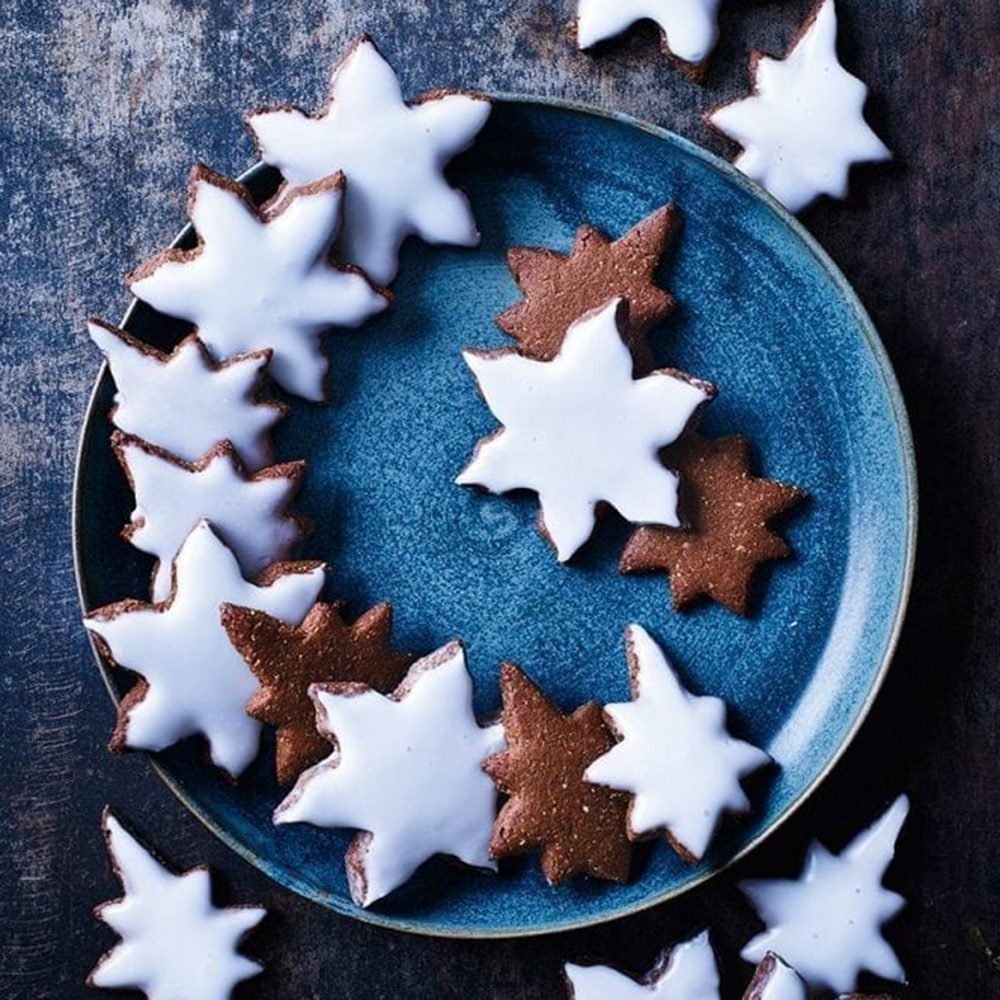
[393, 154]
[261, 278]
[579, 827]
[184, 401]
[406, 771]
[675, 755]
[803, 125]
[728, 512]
[191, 679]
[579, 430]
[828, 924]
[558, 289]
[175, 945]
[686, 972]
[287, 658]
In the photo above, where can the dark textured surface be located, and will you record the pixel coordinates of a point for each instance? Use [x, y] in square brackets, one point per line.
[104, 108]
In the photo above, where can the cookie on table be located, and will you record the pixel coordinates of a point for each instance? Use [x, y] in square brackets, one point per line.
[185, 402]
[287, 657]
[580, 431]
[252, 513]
[174, 942]
[559, 288]
[191, 680]
[392, 152]
[728, 513]
[406, 770]
[802, 127]
[261, 278]
[578, 827]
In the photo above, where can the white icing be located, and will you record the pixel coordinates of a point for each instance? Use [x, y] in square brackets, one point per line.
[828, 924]
[175, 945]
[185, 403]
[803, 127]
[689, 973]
[675, 755]
[392, 154]
[579, 429]
[782, 983]
[407, 770]
[170, 499]
[197, 682]
[688, 25]
[264, 284]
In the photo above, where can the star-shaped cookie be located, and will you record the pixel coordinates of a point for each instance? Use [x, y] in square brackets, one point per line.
[262, 278]
[579, 827]
[558, 288]
[579, 430]
[287, 658]
[803, 125]
[392, 152]
[728, 511]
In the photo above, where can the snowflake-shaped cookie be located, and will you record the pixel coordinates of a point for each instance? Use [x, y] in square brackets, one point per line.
[675, 755]
[579, 430]
[175, 945]
[393, 154]
[407, 771]
[184, 401]
[686, 972]
[828, 924]
[803, 126]
[261, 278]
[251, 513]
[191, 678]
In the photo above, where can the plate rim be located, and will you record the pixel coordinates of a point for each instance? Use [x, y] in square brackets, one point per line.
[901, 423]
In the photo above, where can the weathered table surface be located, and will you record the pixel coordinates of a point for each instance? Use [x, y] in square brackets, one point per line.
[104, 107]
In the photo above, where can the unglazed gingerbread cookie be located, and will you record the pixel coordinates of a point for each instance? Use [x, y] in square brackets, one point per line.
[579, 827]
[252, 514]
[191, 680]
[174, 943]
[559, 289]
[579, 430]
[393, 154]
[773, 979]
[407, 770]
[728, 512]
[287, 658]
[803, 125]
[262, 278]
[185, 402]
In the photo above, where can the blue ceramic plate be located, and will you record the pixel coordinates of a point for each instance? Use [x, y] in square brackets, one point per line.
[766, 316]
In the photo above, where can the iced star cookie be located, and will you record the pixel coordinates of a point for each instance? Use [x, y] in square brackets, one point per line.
[252, 514]
[262, 278]
[579, 827]
[559, 289]
[727, 513]
[392, 152]
[803, 125]
[175, 945]
[688, 28]
[407, 771]
[685, 972]
[191, 680]
[674, 755]
[828, 924]
[286, 658]
[579, 430]
[773, 979]
[185, 402]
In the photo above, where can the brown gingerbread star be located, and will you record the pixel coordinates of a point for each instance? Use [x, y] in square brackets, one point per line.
[728, 511]
[579, 827]
[287, 659]
[559, 289]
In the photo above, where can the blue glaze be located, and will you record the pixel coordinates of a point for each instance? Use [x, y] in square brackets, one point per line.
[767, 317]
